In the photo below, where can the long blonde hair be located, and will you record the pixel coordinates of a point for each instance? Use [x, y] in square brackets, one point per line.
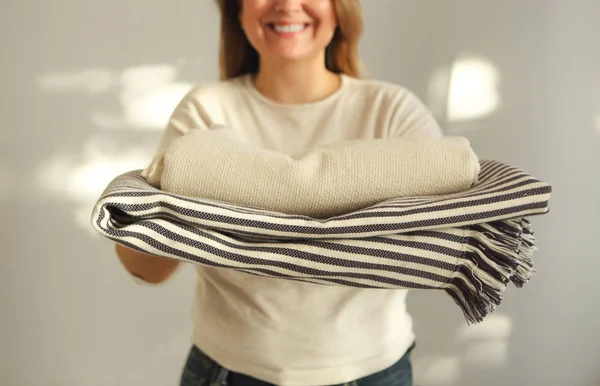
[238, 57]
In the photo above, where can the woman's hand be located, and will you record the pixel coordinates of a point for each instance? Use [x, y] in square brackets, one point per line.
[150, 269]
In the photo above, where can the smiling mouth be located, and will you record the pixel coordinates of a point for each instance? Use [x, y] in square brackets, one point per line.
[288, 28]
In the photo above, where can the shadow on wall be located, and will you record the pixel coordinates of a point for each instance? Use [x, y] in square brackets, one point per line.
[461, 94]
[146, 97]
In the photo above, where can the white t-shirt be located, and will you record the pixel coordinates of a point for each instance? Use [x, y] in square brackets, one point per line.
[287, 332]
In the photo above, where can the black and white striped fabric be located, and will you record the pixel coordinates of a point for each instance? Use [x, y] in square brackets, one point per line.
[470, 244]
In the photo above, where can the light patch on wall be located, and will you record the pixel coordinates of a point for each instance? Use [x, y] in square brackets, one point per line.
[79, 180]
[597, 122]
[495, 326]
[473, 89]
[437, 91]
[438, 371]
[487, 353]
[88, 81]
[486, 342]
[83, 178]
[147, 95]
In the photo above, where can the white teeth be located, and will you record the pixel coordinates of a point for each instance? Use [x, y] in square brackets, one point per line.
[289, 28]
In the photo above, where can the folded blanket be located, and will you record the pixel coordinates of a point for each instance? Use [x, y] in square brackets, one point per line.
[320, 182]
[471, 243]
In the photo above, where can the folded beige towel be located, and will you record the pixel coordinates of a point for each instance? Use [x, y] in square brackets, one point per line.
[321, 182]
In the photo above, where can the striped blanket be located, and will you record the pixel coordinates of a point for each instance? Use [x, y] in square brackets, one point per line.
[471, 244]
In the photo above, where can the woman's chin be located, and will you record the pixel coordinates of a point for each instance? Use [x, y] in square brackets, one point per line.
[288, 55]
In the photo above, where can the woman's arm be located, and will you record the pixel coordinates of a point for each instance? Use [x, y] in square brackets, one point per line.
[411, 117]
[151, 269]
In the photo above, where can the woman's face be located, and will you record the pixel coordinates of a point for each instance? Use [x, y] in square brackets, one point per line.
[288, 29]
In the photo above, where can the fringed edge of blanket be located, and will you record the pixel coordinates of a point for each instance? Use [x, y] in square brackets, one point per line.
[495, 254]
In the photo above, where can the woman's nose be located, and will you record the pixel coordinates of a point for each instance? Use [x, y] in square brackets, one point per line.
[288, 6]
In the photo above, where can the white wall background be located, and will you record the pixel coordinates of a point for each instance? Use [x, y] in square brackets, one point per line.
[88, 85]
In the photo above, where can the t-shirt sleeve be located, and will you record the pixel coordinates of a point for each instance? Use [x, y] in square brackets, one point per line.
[186, 116]
[412, 118]
[189, 114]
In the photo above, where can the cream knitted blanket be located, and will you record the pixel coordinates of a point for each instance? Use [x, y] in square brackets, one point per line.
[470, 243]
[321, 182]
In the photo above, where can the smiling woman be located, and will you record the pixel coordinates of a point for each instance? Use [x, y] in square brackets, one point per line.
[274, 30]
[290, 81]
[280, 33]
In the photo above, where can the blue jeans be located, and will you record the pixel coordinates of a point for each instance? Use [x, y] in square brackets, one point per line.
[200, 370]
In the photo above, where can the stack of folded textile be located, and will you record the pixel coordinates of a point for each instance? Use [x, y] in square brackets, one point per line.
[420, 213]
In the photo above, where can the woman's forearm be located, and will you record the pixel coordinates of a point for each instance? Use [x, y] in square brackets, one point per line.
[151, 269]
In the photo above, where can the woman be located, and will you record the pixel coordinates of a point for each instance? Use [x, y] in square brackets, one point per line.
[290, 80]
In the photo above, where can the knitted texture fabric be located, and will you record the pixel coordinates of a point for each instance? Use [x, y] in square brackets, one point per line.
[320, 182]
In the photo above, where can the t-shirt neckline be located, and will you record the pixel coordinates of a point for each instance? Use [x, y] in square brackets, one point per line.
[249, 83]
